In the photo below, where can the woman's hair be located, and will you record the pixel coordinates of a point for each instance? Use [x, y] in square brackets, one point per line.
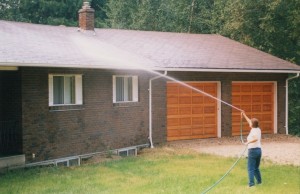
[254, 122]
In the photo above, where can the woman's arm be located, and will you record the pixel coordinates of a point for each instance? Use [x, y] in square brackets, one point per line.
[247, 118]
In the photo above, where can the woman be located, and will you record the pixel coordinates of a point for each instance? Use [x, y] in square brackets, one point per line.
[254, 150]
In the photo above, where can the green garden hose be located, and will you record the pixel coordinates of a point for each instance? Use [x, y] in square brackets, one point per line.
[234, 164]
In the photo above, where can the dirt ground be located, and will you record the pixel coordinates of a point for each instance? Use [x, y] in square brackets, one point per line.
[281, 149]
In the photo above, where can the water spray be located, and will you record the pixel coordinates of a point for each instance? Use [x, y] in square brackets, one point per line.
[105, 56]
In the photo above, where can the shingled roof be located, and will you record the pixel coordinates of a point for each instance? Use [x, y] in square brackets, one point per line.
[24, 44]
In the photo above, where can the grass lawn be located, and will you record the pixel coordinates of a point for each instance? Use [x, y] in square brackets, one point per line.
[159, 170]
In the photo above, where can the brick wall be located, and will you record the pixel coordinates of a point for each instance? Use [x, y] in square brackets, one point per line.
[98, 124]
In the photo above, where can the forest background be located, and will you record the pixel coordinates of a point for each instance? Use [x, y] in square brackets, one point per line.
[272, 26]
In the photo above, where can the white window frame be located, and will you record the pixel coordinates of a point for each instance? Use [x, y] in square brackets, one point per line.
[78, 89]
[134, 88]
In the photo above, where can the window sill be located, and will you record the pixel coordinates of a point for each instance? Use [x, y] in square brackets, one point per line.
[126, 104]
[58, 108]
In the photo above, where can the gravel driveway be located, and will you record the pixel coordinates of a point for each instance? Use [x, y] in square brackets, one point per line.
[281, 149]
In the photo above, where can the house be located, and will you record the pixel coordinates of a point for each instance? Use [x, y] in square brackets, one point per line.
[68, 91]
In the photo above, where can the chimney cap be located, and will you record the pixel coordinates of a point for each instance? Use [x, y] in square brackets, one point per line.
[86, 4]
[86, 7]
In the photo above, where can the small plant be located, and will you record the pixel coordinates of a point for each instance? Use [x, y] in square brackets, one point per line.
[109, 153]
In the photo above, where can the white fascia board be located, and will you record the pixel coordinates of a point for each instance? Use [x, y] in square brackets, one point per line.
[87, 66]
[8, 68]
[229, 70]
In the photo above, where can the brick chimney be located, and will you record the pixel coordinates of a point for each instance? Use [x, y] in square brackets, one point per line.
[86, 17]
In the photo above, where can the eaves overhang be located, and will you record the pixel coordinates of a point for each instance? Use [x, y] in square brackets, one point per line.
[9, 65]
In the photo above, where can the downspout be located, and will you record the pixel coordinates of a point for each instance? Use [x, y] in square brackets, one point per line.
[287, 102]
[150, 106]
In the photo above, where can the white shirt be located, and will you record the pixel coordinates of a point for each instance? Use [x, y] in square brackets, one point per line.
[255, 133]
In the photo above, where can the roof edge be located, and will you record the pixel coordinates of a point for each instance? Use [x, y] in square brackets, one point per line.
[79, 66]
[232, 70]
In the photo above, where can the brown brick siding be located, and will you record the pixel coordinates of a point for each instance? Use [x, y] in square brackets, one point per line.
[99, 124]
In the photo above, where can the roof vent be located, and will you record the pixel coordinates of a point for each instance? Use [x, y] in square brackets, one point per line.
[86, 17]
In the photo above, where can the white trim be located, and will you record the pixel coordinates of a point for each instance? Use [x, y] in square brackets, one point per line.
[78, 91]
[114, 88]
[275, 126]
[135, 89]
[194, 82]
[219, 110]
[8, 68]
[229, 70]
[275, 108]
[287, 102]
[154, 68]
[50, 89]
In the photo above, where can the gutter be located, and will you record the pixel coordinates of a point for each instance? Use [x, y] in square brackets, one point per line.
[95, 66]
[287, 102]
[150, 106]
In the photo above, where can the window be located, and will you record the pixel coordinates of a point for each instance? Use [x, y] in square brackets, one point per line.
[125, 89]
[65, 89]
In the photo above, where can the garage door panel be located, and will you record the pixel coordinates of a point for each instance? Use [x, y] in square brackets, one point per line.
[197, 121]
[197, 99]
[208, 100]
[246, 88]
[267, 117]
[236, 99]
[209, 109]
[246, 108]
[268, 88]
[267, 98]
[184, 90]
[236, 118]
[257, 100]
[197, 131]
[192, 114]
[172, 111]
[256, 108]
[185, 100]
[185, 110]
[267, 107]
[257, 88]
[246, 98]
[236, 88]
[209, 120]
[174, 132]
[209, 129]
[210, 88]
[185, 132]
[172, 100]
[197, 110]
[172, 89]
[185, 121]
[173, 121]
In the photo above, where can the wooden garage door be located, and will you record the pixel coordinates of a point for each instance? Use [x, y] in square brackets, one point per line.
[257, 100]
[191, 115]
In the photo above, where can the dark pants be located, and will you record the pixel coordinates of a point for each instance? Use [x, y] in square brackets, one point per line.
[254, 156]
